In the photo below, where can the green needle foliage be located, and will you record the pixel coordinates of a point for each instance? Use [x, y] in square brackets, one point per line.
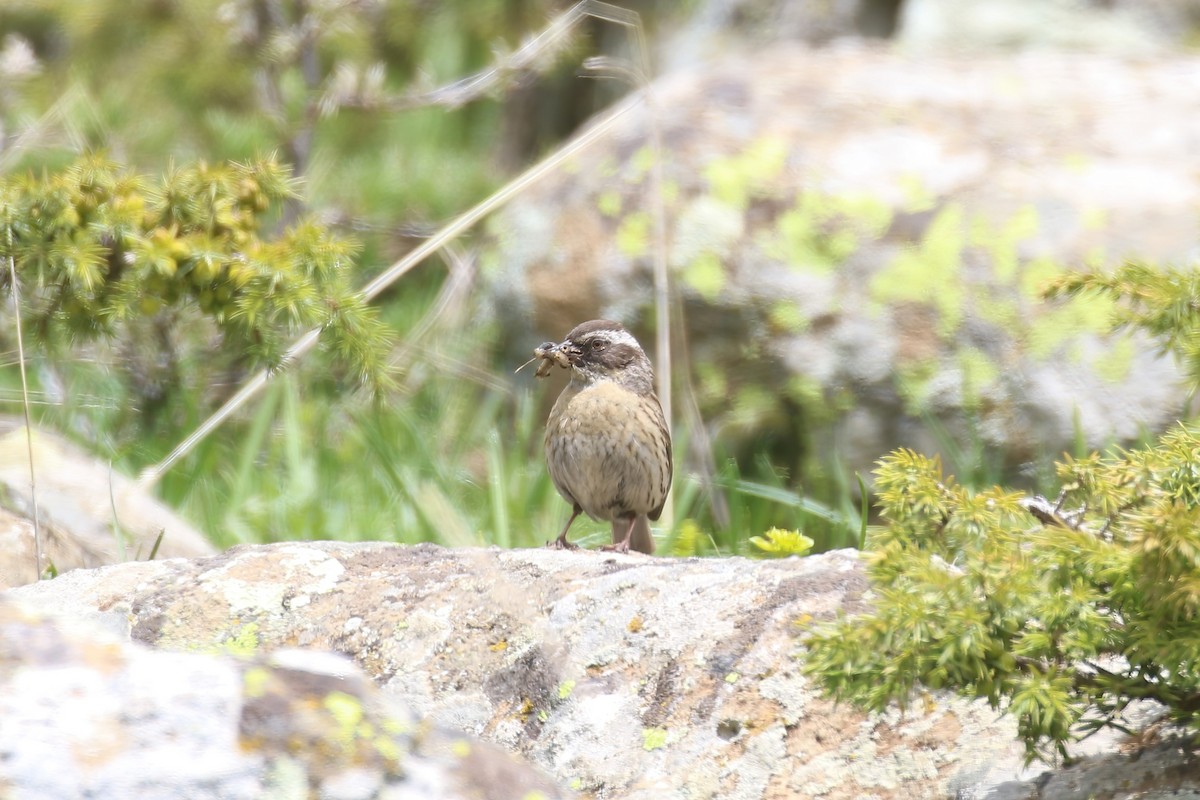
[98, 249]
[1059, 612]
[1164, 302]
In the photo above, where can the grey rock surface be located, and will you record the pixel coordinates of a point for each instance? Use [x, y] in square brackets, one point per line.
[1144, 27]
[622, 676]
[1114, 26]
[86, 713]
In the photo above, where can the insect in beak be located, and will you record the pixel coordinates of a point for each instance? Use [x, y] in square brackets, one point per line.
[550, 354]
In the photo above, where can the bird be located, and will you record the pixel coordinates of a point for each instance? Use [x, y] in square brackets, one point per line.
[608, 444]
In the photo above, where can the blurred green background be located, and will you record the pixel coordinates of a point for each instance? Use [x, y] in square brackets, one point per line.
[450, 454]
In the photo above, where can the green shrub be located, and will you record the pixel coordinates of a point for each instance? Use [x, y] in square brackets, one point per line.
[1059, 612]
[100, 251]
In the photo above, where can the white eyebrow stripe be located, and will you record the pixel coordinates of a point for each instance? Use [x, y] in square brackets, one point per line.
[613, 336]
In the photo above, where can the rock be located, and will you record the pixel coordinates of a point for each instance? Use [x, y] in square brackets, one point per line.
[1113, 26]
[85, 714]
[859, 239]
[921, 26]
[623, 676]
[77, 495]
[717, 26]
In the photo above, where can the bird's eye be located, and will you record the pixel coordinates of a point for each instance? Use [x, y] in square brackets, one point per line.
[597, 344]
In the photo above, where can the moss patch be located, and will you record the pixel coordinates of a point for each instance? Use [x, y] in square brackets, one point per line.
[705, 275]
[1059, 326]
[737, 178]
[930, 271]
[633, 235]
[1114, 365]
[819, 232]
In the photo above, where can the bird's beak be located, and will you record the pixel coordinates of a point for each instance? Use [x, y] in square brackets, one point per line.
[570, 351]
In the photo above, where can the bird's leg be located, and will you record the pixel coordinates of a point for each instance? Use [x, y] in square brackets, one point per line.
[623, 545]
[561, 542]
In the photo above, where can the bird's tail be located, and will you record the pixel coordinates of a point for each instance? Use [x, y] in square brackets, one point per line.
[639, 539]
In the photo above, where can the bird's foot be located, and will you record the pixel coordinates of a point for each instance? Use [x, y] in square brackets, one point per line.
[619, 547]
[561, 543]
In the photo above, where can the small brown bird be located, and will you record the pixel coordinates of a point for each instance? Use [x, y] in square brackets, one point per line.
[608, 446]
